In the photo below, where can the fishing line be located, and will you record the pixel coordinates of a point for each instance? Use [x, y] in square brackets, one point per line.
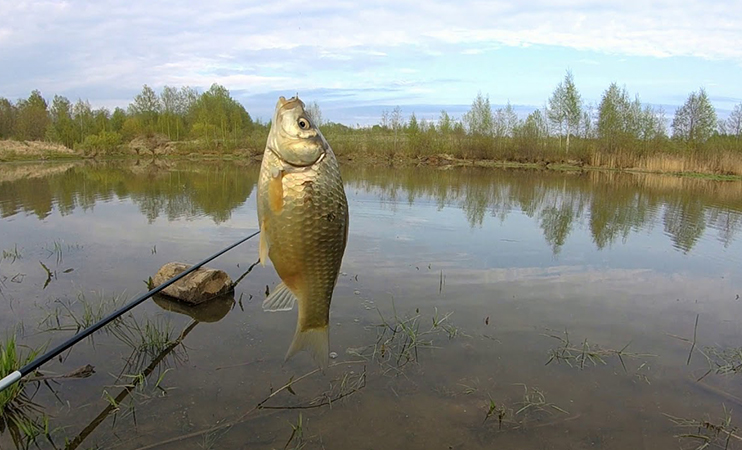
[11, 378]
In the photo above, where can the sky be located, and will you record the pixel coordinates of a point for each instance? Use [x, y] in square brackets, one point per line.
[357, 59]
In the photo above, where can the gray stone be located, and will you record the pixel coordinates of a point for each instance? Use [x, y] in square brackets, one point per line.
[197, 287]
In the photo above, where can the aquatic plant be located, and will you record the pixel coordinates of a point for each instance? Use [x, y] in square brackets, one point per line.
[532, 408]
[399, 339]
[12, 254]
[707, 432]
[586, 353]
[297, 435]
[80, 313]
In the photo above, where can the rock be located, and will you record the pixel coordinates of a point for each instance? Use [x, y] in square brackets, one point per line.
[197, 287]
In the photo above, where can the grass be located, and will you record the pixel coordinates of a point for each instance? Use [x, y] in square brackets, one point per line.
[135, 384]
[147, 339]
[80, 313]
[12, 254]
[707, 432]
[19, 415]
[399, 340]
[532, 408]
[586, 353]
[57, 248]
[297, 434]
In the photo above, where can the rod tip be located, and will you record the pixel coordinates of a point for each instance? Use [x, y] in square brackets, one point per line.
[9, 380]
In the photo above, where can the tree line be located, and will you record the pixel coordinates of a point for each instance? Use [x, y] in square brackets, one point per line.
[619, 131]
[212, 117]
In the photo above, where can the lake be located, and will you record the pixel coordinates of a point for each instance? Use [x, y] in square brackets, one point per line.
[476, 308]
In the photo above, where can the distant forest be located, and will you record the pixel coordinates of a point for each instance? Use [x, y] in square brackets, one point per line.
[618, 132]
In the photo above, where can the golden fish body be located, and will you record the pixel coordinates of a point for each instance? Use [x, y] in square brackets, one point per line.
[303, 215]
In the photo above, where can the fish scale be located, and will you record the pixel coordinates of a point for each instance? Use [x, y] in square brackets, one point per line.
[303, 214]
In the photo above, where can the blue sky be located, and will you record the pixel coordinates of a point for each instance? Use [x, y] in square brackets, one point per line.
[357, 58]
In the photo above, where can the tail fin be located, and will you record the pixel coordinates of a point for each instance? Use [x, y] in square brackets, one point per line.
[314, 340]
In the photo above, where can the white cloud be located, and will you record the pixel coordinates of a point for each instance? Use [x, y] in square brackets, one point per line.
[60, 45]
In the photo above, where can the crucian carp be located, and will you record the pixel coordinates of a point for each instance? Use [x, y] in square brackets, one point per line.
[303, 216]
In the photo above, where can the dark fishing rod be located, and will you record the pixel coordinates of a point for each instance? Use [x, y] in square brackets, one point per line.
[38, 362]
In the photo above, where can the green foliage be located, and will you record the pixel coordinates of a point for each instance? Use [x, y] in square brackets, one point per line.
[217, 118]
[118, 118]
[624, 125]
[478, 120]
[565, 108]
[695, 121]
[8, 115]
[62, 128]
[105, 142]
[33, 118]
[82, 115]
[618, 132]
[146, 108]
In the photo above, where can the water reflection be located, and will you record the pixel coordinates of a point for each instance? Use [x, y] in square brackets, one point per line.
[158, 188]
[615, 204]
[213, 310]
[612, 205]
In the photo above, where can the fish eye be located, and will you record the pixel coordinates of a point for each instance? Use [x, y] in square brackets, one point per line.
[303, 123]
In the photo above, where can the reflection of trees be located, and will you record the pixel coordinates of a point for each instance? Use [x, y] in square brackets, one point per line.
[613, 204]
[615, 213]
[684, 221]
[727, 222]
[185, 190]
[618, 204]
[557, 223]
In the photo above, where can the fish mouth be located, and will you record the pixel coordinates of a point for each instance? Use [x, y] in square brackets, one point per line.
[296, 154]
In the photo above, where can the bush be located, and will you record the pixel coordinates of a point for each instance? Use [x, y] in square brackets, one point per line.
[105, 141]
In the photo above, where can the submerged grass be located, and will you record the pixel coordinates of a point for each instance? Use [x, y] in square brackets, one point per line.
[587, 353]
[147, 339]
[80, 313]
[707, 432]
[533, 407]
[399, 340]
[12, 254]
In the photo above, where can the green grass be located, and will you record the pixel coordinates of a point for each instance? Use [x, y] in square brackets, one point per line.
[19, 415]
[586, 354]
[400, 339]
[147, 339]
[534, 407]
[80, 313]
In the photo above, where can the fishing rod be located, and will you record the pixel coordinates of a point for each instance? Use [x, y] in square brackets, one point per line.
[11, 378]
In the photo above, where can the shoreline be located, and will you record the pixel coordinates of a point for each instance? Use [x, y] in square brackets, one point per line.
[52, 153]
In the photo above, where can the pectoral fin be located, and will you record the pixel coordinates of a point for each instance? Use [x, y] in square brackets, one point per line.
[281, 299]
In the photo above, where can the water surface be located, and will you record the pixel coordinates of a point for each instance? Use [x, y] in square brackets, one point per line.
[518, 259]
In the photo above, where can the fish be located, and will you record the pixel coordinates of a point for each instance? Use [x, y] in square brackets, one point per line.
[303, 217]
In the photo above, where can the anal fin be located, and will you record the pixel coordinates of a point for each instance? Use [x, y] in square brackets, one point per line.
[281, 299]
